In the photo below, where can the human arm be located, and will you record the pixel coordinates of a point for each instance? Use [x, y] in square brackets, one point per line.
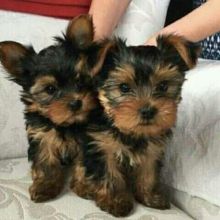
[106, 15]
[195, 26]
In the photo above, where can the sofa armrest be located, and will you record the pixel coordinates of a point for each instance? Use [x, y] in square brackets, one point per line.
[193, 156]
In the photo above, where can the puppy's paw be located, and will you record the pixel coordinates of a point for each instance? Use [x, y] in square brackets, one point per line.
[155, 200]
[119, 206]
[81, 190]
[43, 191]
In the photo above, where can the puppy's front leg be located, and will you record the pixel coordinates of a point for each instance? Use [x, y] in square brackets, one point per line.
[114, 197]
[46, 150]
[147, 189]
[48, 181]
[97, 177]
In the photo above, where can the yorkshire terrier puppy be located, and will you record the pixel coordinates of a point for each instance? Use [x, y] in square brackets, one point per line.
[57, 91]
[139, 89]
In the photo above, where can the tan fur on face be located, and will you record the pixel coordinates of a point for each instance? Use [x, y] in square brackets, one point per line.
[104, 100]
[41, 83]
[165, 72]
[38, 89]
[58, 110]
[126, 111]
[35, 107]
[127, 117]
[124, 74]
[171, 75]
[60, 113]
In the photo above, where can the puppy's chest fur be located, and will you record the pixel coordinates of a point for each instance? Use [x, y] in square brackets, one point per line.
[116, 151]
[50, 141]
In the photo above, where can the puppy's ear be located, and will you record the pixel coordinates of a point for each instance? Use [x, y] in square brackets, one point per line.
[178, 51]
[80, 31]
[11, 56]
[112, 52]
[101, 56]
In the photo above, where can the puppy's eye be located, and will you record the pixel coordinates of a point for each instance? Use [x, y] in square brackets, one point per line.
[162, 87]
[124, 87]
[50, 89]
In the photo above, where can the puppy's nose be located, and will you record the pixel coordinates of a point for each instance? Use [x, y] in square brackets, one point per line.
[75, 105]
[148, 112]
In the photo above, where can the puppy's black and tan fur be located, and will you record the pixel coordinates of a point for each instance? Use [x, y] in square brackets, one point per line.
[139, 89]
[57, 91]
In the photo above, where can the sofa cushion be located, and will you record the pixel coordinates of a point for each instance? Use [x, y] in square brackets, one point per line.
[15, 202]
[193, 156]
[196, 207]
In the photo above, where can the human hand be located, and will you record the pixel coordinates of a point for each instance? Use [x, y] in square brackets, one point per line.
[151, 41]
